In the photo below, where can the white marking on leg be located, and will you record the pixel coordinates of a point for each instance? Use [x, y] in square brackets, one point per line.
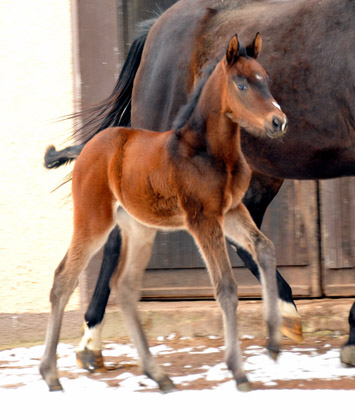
[91, 338]
[288, 309]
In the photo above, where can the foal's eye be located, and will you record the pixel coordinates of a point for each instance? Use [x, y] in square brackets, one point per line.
[241, 86]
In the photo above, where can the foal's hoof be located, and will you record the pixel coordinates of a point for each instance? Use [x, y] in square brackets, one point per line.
[50, 377]
[55, 387]
[243, 385]
[273, 353]
[166, 385]
[347, 355]
[291, 327]
[90, 360]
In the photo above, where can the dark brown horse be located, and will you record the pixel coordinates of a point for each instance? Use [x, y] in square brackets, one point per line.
[312, 70]
[192, 177]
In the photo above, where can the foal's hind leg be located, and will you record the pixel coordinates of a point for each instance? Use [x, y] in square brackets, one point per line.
[239, 227]
[82, 248]
[137, 247]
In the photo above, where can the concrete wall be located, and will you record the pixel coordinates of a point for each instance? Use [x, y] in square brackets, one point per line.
[36, 87]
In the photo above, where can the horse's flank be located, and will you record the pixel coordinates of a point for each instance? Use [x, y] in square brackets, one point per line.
[137, 172]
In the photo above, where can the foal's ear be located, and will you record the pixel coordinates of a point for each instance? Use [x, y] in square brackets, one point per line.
[232, 53]
[254, 48]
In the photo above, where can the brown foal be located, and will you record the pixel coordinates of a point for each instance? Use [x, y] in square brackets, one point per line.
[192, 177]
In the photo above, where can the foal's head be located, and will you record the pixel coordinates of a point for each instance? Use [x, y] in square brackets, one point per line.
[249, 102]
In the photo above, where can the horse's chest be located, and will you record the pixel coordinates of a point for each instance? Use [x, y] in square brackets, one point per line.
[237, 183]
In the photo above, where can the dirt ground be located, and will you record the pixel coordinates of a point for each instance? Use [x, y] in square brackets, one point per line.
[180, 363]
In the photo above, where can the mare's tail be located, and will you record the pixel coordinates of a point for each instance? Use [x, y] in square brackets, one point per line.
[113, 111]
[54, 158]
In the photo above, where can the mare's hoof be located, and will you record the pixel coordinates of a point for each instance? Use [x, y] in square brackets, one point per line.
[291, 327]
[347, 355]
[90, 360]
[166, 385]
[243, 385]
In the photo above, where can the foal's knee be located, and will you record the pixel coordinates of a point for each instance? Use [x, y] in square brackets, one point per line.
[227, 294]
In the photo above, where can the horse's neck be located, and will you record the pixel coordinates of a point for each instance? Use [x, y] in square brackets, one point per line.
[209, 127]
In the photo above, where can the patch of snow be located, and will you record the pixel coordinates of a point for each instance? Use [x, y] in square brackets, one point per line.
[161, 349]
[22, 391]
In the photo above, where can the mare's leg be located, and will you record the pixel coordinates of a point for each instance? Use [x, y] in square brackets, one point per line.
[137, 247]
[239, 226]
[347, 354]
[82, 248]
[88, 353]
[209, 236]
[261, 192]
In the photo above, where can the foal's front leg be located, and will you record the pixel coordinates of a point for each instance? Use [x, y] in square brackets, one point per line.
[209, 236]
[240, 228]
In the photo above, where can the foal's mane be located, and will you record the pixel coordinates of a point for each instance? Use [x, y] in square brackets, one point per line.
[186, 110]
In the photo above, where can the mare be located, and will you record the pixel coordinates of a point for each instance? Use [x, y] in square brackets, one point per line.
[192, 177]
[312, 71]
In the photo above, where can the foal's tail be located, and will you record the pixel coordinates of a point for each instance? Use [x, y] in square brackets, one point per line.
[113, 111]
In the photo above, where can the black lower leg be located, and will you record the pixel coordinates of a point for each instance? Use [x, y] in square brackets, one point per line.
[96, 310]
[285, 291]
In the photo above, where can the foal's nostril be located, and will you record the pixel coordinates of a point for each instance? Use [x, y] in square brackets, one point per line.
[276, 124]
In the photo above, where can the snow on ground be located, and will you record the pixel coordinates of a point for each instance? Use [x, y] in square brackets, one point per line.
[23, 393]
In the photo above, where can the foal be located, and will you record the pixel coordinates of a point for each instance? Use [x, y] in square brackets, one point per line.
[192, 177]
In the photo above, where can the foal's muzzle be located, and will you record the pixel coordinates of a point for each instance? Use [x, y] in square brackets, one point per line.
[277, 126]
